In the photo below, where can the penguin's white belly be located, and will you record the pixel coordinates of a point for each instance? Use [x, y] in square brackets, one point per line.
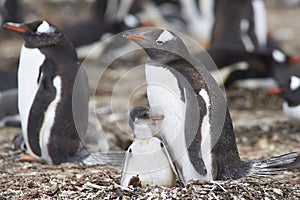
[164, 97]
[149, 161]
[292, 113]
[28, 73]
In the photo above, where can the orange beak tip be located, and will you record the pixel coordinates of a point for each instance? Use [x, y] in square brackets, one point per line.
[274, 91]
[294, 59]
[15, 27]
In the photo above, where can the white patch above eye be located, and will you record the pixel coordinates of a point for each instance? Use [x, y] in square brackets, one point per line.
[45, 28]
[295, 83]
[131, 21]
[278, 56]
[164, 37]
[244, 25]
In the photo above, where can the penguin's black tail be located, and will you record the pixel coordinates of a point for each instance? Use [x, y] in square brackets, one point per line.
[272, 166]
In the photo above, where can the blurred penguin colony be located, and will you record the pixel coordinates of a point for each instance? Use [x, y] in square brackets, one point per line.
[233, 32]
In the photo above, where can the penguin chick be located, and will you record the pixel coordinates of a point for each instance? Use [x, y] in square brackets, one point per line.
[147, 156]
[197, 127]
[52, 94]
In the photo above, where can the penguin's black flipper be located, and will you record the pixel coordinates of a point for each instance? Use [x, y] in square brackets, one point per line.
[272, 166]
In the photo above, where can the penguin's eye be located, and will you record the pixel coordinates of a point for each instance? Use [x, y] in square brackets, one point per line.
[145, 114]
[159, 42]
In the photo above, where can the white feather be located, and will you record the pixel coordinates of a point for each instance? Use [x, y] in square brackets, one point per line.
[45, 28]
[165, 36]
[142, 131]
[164, 95]
[295, 83]
[200, 20]
[29, 68]
[244, 26]
[260, 21]
[206, 137]
[149, 161]
[278, 56]
[292, 113]
[49, 120]
[131, 21]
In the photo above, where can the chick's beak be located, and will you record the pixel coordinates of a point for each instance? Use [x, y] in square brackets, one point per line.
[156, 117]
[15, 27]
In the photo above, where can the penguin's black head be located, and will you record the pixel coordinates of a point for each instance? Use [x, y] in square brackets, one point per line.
[289, 90]
[141, 115]
[36, 34]
[160, 44]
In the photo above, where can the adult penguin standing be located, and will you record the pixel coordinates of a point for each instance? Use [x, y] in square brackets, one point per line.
[197, 128]
[53, 94]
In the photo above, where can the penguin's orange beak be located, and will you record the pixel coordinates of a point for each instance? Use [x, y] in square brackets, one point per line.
[274, 91]
[157, 117]
[133, 37]
[294, 59]
[15, 27]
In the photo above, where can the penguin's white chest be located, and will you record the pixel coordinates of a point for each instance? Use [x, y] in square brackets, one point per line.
[164, 97]
[148, 160]
[292, 113]
[28, 73]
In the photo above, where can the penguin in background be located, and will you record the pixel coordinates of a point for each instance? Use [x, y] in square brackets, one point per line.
[246, 22]
[52, 94]
[147, 156]
[287, 76]
[197, 127]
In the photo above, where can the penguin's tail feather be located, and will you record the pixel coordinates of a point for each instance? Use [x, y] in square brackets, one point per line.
[272, 166]
[105, 158]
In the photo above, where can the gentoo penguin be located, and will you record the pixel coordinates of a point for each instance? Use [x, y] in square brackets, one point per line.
[147, 156]
[246, 21]
[53, 94]
[10, 10]
[287, 77]
[197, 127]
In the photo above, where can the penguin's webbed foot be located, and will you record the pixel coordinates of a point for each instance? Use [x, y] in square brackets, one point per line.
[27, 158]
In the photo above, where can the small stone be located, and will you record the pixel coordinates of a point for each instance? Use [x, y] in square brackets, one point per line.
[278, 191]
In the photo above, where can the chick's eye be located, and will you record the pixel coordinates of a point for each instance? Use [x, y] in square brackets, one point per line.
[159, 42]
[145, 114]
